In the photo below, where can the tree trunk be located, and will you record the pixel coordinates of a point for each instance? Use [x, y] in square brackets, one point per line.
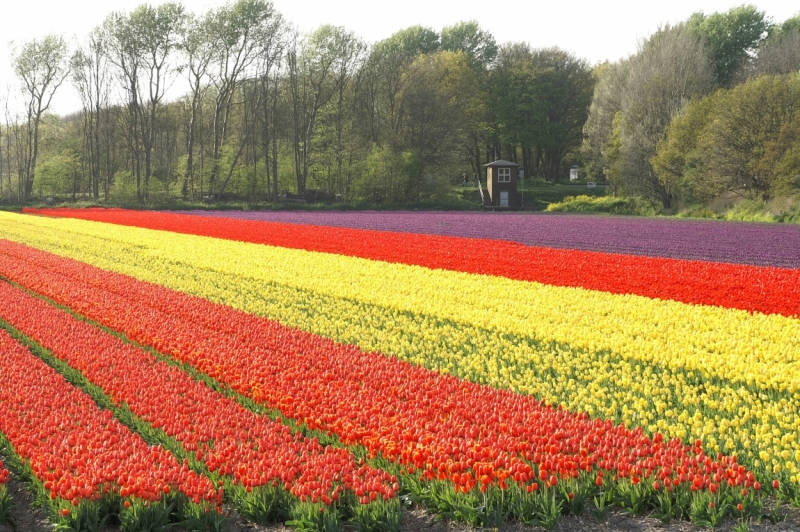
[34, 156]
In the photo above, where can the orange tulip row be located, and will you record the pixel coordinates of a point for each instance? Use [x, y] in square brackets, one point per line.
[74, 448]
[232, 440]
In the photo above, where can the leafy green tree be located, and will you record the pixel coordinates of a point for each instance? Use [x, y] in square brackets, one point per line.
[59, 173]
[41, 65]
[91, 75]
[541, 100]
[199, 50]
[790, 24]
[432, 121]
[390, 176]
[468, 37]
[241, 32]
[778, 54]
[317, 72]
[742, 140]
[411, 42]
[381, 80]
[143, 46]
[782, 156]
[680, 160]
[732, 37]
[612, 155]
[570, 83]
[520, 102]
[753, 131]
[610, 80]
[670, 69]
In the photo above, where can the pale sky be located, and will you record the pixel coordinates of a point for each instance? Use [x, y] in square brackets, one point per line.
[594, 30]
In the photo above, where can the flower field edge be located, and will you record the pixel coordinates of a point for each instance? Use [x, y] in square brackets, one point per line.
[752, 288]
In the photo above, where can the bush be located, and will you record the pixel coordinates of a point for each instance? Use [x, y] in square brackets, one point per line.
[605, 204]
[782, 210]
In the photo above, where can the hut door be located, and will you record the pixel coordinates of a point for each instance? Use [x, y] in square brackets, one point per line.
[504, 198]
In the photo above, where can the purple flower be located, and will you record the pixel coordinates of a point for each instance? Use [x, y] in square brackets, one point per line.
[709, 240]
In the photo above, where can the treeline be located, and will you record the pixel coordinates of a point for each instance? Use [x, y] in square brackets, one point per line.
[265, 111]
[705, 107]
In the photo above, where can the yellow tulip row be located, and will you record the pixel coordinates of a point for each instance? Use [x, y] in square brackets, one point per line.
[725, 376]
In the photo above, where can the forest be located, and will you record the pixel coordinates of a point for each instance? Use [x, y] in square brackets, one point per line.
[235, 104]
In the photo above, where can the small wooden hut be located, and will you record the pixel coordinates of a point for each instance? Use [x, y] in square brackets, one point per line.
[501, 183]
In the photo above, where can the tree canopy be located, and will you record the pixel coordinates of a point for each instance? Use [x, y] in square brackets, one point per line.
[732, 36]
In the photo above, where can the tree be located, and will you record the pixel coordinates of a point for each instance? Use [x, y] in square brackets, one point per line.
[468, 37]
[143, 44]
[41, 65]
[198, 47]
[520, 102]
[670, 69]
[742, 140]
[382, 80]
[240, 33]
[610, 80]
[317, 72]
[778, 54]
[542, 99]
[791, 24]
[380, 85]
[570, 85]
[411, 42]
[753, 131]
[782, 156]
[432, 122]
[91, 76]
[337, 130]
[732, 36]
[681, 156]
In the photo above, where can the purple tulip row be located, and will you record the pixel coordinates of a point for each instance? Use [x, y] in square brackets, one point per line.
[709, 240]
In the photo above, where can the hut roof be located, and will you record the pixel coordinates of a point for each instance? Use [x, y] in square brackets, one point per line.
[500, 162]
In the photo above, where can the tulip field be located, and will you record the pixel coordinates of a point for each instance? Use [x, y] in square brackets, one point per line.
[328, 370]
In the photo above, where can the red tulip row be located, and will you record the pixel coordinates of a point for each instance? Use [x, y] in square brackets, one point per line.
[754, 288]
[444, 427]
[252, 448]
[75, 449]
